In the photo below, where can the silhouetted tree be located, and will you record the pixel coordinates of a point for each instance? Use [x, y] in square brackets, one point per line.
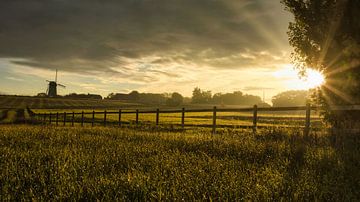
[290, 98]
[176, 99]
[134, 95]
[151, 98]
[236, 98]
[110, 96]
[326, 36]
[41, 95]
[83, 96]
[200, 96]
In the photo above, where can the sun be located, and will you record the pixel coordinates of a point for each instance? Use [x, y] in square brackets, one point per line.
[291, 79]
[313, 78]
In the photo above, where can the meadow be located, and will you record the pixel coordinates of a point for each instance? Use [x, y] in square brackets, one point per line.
[167, 162]
[13, 110]
[66, 163]
[12, 102]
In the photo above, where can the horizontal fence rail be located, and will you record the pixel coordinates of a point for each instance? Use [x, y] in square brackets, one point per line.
[63, 118]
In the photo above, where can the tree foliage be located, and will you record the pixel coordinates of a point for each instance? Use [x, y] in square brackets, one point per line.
[290, 98]
[200, 96]
[235, 98]
[325, 35]
[176, 99]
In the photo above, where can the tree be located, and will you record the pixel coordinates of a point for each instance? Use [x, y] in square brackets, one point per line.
[200, 96]
[196, 95]
[236, 98]
[290, 98]
[326, 36]
[110, 96]
[176, 99]
[41, 95]
[134, 95]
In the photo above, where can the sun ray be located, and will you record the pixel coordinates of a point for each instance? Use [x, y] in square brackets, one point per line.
[335, 23]
[337, 92]
[326, 97]
[353, 64]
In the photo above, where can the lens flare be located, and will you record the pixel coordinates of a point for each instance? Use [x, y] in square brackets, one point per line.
[314, 78]
[291, 79]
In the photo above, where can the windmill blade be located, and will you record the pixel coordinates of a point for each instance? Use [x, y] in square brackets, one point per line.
[61, 85]
[47, 81]
[56, 76]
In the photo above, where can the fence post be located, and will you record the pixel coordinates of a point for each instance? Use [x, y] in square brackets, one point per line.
[50, 118]
[137, 117]
[157, 116]
[64, 119]
[82, 118]
[214, 121]
[73, 119]
[183, 118]
[105, 118]
[57, 118]
[93, 119]
[307, 119]
[255, 118]
[119, 117]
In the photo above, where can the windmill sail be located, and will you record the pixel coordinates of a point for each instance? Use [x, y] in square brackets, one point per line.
[52, 87]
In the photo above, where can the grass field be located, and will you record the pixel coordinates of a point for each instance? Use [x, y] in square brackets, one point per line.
[13, 111]
[60, 103]
[49, 163]
[224, 119]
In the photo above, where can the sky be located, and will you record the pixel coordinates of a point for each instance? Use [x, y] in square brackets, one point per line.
[145, 45]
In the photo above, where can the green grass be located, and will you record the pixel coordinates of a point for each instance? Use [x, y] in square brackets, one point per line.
[228, 119]
[60, 103]
[64, 163]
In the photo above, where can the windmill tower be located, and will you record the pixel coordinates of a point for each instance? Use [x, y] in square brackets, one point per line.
[52, 87]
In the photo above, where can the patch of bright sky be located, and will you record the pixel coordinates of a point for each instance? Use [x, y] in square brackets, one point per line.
[30, 81]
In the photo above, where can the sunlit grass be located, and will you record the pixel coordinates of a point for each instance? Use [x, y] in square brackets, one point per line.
[47, 163]
[229, 119]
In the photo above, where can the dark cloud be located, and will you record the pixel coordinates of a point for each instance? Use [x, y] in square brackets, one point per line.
[93, 35]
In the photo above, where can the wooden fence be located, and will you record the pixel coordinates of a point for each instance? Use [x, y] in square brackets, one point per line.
[61, 118]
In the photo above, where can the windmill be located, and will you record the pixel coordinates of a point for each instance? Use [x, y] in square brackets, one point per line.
[52, 88]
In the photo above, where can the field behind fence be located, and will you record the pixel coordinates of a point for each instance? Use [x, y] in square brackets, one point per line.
[305, 117]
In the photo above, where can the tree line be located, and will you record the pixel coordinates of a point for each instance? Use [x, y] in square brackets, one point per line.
[288, 98]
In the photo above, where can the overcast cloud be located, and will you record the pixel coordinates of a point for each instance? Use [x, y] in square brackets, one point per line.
[108, 36]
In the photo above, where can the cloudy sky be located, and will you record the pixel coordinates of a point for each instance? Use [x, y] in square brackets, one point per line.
[145, 45]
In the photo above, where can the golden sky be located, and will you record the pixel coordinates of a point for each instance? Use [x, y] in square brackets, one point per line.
[146, 45]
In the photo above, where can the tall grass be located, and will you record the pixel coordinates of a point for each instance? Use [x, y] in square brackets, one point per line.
[48, 163]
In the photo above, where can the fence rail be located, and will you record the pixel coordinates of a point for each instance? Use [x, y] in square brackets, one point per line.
[56, 117]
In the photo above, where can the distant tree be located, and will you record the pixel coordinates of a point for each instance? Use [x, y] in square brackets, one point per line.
[200, 96]
[218, 98]
[176, 99]
[187, 100]
[110, 96]
[41, 95]
[326, 36]
[290, 98]
[251, 100]
[151, 98]
[235, 98]
[196, 95]
[83, 96]
[206, 96]
[134, 95]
